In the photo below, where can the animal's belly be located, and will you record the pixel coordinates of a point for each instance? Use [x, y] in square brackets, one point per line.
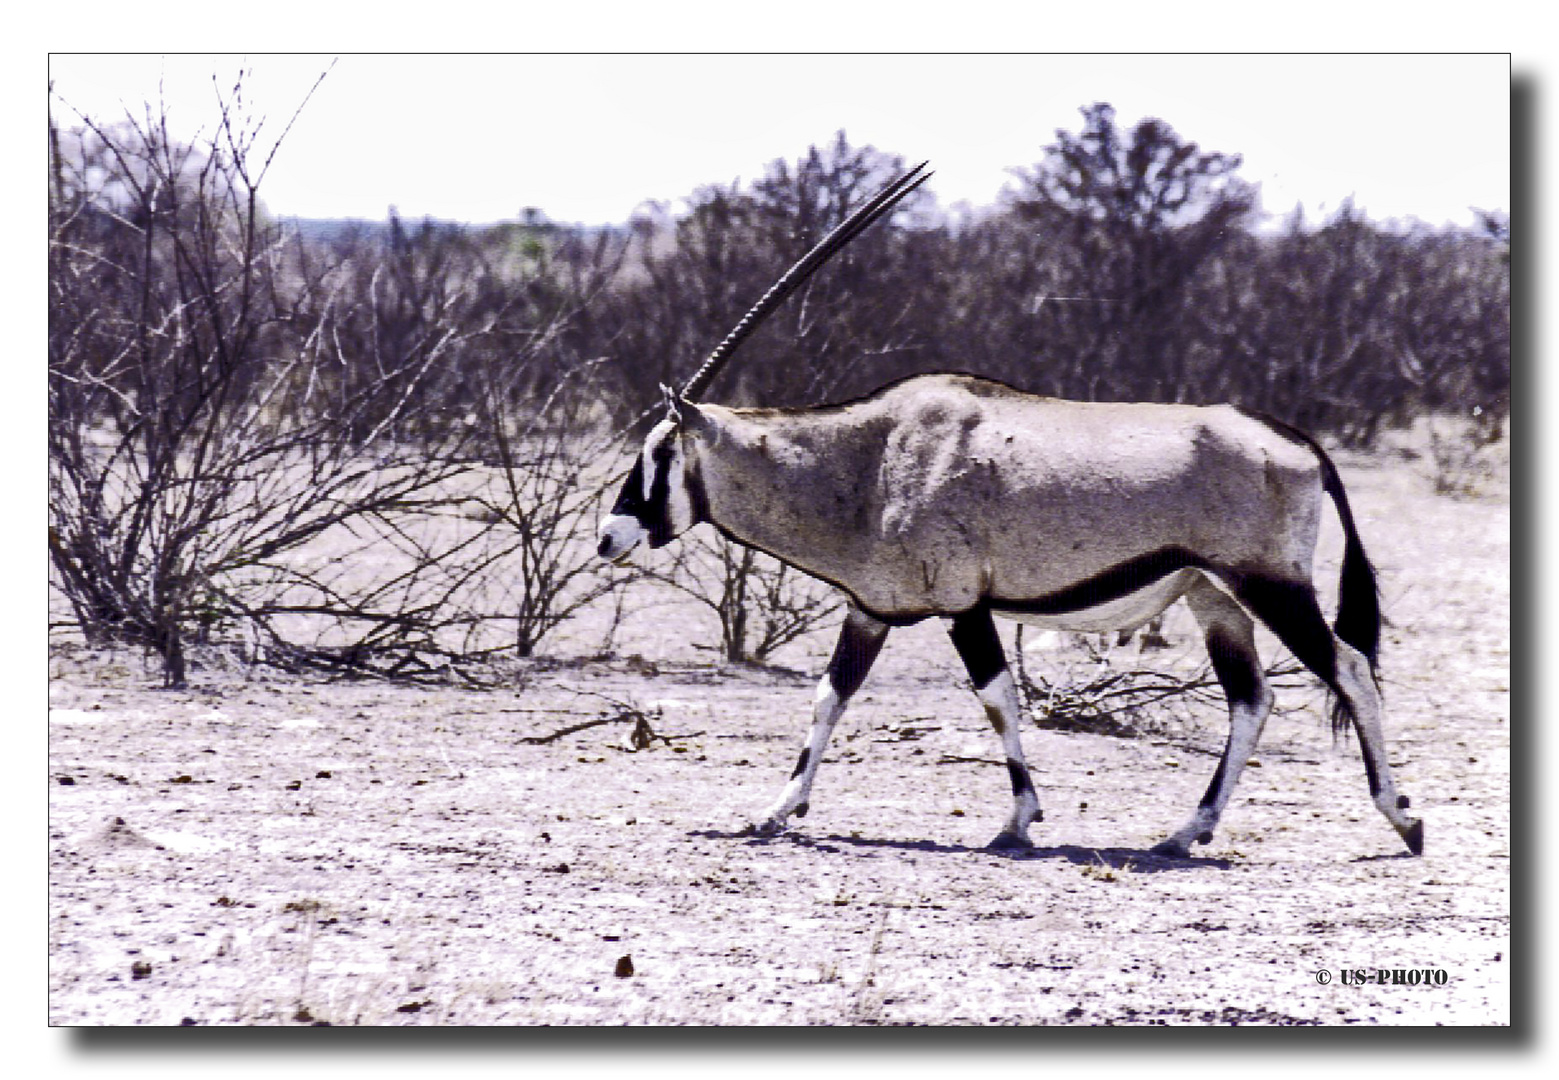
[1124, 612]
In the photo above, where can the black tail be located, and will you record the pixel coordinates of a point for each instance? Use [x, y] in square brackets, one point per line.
[1358, 600]
[1358, 594]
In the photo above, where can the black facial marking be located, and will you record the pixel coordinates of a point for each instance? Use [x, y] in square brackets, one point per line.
[653, 510]
[974, 636]
[1019, 775]
[659, 520]
[801, 766]
[630, 500]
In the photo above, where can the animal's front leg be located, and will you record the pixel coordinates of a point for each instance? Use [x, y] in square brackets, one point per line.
[860, 640]
[974, 635]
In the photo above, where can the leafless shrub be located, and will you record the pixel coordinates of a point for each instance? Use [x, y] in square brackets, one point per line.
[261, 439]
[1104, 693]
[1462, 451]
[761, 603]
[543, 505]
[189, 440]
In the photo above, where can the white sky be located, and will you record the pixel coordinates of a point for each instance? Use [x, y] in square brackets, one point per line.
[588, 138]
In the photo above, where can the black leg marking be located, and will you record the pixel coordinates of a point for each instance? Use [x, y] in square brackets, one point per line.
[1402, 803]
[1211, 795]
[1019, 775]
[974, 636]
[1369, 772]
[1294, 615]
[1238, 670]
[993, 714]
[801, 766]
[853, 656]
[1239, 673]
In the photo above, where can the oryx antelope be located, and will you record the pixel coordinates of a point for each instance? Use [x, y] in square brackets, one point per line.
[954, 496]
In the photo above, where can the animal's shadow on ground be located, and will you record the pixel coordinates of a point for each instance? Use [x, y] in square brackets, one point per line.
[1389, 857]
[1130, 860]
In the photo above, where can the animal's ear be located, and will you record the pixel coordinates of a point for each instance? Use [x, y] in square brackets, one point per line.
[674, 403]
[682, 412]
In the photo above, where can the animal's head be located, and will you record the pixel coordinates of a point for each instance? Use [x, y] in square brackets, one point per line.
[657, 502]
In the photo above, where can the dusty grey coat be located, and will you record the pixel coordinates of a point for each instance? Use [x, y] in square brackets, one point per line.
[943, 492]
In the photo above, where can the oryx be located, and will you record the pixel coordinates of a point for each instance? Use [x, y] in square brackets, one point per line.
[954, 496]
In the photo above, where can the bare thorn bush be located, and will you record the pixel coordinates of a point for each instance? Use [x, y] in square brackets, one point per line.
[761, 603]
[1100, 690]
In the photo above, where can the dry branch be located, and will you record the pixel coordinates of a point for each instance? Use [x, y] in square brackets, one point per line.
[642, 737]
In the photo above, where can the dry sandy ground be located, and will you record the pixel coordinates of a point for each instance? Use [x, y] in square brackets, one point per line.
[262, 851]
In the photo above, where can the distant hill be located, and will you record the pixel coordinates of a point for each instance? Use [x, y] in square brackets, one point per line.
[329, 230]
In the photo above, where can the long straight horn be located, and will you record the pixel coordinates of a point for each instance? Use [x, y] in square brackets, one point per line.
[848, 230]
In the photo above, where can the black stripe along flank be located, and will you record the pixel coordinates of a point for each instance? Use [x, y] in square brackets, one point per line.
[1120, 580]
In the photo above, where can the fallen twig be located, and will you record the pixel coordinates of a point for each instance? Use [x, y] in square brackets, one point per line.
[642, 737]
[955, 759]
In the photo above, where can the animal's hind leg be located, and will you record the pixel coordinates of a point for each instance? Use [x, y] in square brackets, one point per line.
[1231, 642]
[974, 636]
[1294, 615]
[1356, 684]
[860, 640]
